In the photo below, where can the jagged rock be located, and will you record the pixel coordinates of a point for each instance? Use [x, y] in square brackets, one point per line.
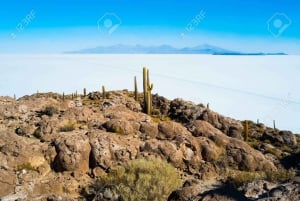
[199, 142]
[288, 138]
[238, 153]
[184, 111]
[109, 149]
[161, 104]
[73, 152]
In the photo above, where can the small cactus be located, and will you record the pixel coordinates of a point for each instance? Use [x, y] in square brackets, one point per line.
[103, 92]
[274, 124]
[136, 93]
[63, 96]
[84, 92]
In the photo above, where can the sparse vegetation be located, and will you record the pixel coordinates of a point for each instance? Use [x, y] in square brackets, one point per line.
[281, 175]
[144, 179]
[69, 126]
[50, 110]
[240, 178]
[25, 166]
[273, 151]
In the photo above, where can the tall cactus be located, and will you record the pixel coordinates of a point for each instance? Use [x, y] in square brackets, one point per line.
[147, 91]
[103, 92]
[246, 131]
[136, 93]
[84, 92]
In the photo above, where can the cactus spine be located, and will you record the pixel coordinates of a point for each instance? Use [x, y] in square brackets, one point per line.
[246, 131]
[147, 91]
[103, 92]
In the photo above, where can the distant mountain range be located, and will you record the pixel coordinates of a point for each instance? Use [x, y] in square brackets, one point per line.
[164, 49]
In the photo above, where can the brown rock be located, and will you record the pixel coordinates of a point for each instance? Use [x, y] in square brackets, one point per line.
[73, 151]
[149, 129]
[109, 149]
[168, 130]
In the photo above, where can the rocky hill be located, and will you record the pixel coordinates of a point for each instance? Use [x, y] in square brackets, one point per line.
[55, 147]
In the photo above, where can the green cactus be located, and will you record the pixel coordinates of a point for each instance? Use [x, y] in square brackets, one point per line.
[103, 92]
[246, 131]
[84, 92]
[147, 91]
[136, 93]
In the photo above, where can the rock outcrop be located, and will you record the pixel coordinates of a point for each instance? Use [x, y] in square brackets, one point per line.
[53, 148]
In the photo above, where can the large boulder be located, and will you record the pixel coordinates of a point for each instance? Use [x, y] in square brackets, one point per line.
[109, 149]
[167, 130]
[238, 153]
[73, 152]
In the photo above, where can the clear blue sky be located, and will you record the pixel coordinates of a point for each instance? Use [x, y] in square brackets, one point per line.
[49, 26]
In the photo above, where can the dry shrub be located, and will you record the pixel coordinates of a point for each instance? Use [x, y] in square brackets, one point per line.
[142, 179]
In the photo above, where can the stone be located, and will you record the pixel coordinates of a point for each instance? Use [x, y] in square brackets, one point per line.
[73, 152]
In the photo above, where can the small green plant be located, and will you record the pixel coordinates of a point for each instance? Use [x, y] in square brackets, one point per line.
[50, 111]
[37, 133]
[285, 148]
[240, 178]
[142, 179]
[273, 151]
[26, 166]
[70, 126]
[281, 175]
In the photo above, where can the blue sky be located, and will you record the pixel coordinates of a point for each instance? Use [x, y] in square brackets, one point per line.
[53, 26]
